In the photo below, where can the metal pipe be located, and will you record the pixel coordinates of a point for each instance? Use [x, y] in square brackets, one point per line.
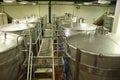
[77, 61]
[49, 12]
[53, 65]
[45, 57]
[29, 58]
[38, 37]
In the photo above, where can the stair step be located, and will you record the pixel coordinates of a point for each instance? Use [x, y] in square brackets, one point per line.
[43, 70]
[43, 75]
[44, 79]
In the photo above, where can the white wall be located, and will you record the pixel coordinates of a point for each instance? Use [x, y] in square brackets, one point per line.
[21, 11]
[90, 13]
[117, 26]
[60, 10]
[43, 10]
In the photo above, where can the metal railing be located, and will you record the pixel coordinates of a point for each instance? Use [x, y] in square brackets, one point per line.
[30, 54]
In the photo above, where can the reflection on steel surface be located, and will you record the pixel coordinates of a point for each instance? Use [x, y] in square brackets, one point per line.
[79, 26]
[11, 56]
[16, 27]
[99, 56]
[84, 28]
[99, 44]
[9, 42]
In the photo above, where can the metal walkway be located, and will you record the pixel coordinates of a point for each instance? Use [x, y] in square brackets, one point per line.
[42, 66]
[45, 58]
[47, 44]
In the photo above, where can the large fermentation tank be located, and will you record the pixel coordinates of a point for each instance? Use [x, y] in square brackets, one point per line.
[26, 30]
[94, 58]
[21, 29]
[39, 22]
[16, 27]
[37, 31]
[74, 26]
[11, 56]
[31, 20]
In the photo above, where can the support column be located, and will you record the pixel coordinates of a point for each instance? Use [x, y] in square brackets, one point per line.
[77, 64]
[49, 12]
[116, 24]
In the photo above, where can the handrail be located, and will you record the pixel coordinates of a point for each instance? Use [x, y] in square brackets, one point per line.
[41, 57]
[39, 35]
[53, 65]
[29, 59]
[31, 65]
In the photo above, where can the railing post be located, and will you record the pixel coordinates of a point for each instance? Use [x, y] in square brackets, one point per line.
[77, 62]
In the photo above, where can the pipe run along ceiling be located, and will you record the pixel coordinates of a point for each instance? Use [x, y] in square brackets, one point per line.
[63, 0]
[75, 1]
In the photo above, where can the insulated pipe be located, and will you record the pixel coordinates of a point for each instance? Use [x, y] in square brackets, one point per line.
[49, 12]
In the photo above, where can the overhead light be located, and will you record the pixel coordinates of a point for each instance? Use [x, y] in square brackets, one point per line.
[23, 2]
[34, 3]
[104, 2]
[9, 1]
[87, 3]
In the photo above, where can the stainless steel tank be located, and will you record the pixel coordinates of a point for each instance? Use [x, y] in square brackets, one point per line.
[77, 26]
[94, 58]
[26, 30]
[11, 57]
[36, 32]
[21, 29]
[28, 20]
[34, 21]
[74, 28]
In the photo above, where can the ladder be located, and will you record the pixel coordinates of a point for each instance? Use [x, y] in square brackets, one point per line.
[44, 62]
[61, 46]
[42, 66]
[44, 71]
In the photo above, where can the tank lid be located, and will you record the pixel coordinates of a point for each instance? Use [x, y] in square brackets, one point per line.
[9, 41]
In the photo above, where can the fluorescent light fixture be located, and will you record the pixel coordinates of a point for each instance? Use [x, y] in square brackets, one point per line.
[9, 1]
[104, 2]
[34, 3]
[23, 2]
[87, 3]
